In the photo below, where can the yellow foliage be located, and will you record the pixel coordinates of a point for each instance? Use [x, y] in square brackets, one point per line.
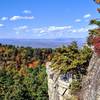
[98, 1]
[23, 72]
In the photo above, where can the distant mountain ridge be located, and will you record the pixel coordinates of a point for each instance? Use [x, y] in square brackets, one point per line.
[43, 43]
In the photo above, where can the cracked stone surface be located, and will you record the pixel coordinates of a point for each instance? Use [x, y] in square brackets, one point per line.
[91, 82]
[57, 88]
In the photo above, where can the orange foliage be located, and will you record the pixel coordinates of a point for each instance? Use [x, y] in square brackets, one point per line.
[33, 64]
[98, 1]
[2, 49]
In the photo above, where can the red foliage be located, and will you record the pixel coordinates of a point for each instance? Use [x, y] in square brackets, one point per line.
[97, 48]
[96, 44]
[96, 40]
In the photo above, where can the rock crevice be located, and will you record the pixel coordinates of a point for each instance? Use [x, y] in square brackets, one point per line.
[58, 88]
[91, 82]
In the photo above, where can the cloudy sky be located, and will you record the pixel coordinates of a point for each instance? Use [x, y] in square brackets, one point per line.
[47, 19]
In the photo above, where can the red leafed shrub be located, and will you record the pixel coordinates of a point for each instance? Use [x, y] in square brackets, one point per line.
[96, 44]
[96, 40]
[97, 48]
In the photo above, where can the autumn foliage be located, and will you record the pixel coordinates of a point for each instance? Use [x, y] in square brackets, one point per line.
[96, 40]
[94, 34]
[33, 64]
[97, 48]
[97, 1]
[96, 43]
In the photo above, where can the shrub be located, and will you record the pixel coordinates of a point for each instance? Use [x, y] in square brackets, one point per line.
[14, 86]
[96, 40]
[97, 48]
[75, 86]
[70, 58]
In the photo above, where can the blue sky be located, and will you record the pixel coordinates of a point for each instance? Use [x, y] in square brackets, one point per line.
[47, 19]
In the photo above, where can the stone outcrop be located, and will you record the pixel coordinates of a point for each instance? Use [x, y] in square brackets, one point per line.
[58, 85]
[91, 82]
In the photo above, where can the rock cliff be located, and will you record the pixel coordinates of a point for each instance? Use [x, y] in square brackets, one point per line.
[91, 82]
[58, 85]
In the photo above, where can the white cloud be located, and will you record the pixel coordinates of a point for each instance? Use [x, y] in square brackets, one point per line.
[54, 31]
[1, 25]
[27, 12]
[80, 30]
[51, 29]
[78, 20]
[87, 16]
[4, 18]
[21, 27]
[83, 29]
[14, 18]
[92, 27]
[54, 28]
[73, 30]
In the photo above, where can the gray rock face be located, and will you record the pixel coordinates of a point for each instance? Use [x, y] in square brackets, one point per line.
[91, 83]
[58, 88]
